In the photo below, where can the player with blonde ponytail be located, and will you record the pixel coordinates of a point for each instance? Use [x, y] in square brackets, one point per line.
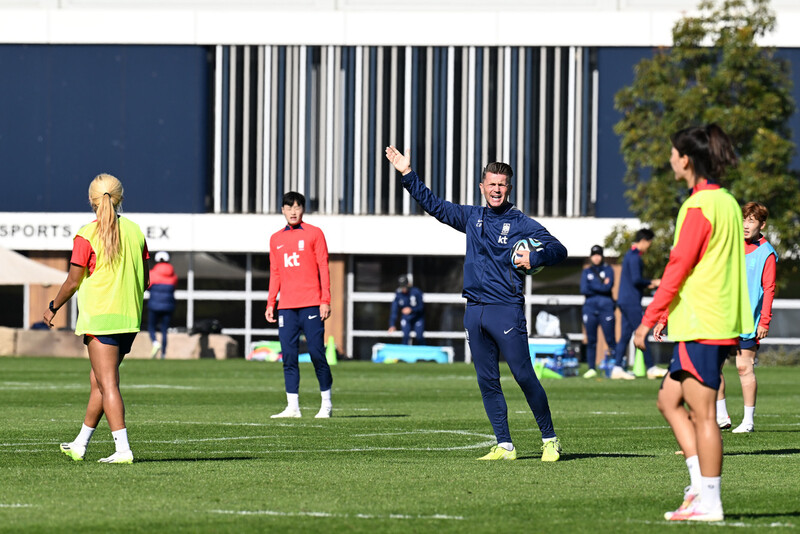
[109, 271]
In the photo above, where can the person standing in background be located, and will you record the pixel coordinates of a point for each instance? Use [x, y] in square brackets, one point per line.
[761, 260]
[632, 285]
[597, 280]
[298, 269]
[161, 304]
[408, 301]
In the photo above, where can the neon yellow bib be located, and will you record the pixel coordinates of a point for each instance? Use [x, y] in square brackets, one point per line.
[713, 302]
[110, 300]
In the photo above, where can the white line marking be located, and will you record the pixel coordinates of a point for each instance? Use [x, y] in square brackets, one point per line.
[16, 505]
[330, 515]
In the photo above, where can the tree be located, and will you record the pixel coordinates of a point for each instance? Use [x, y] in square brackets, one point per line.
[714, 72]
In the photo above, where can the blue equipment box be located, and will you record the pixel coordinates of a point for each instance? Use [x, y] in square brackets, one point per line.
[388, 353]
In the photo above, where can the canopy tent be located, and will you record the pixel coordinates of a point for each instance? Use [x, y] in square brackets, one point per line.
[17, 270]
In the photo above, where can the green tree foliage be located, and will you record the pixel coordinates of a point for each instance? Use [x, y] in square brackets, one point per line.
[714, 72]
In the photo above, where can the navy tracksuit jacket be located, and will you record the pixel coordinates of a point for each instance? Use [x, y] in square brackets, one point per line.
[632, 285]
[598, 309]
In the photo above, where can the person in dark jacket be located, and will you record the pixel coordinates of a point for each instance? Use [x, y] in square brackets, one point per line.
[494, 286]
[408, 301]
[161, 304]
[632, 285]
[597, 280]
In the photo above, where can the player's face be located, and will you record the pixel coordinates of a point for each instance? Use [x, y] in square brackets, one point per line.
[643, 245]
[597, 259]
[495, 189]
[679, 164]
[293, 214]
[753, 227]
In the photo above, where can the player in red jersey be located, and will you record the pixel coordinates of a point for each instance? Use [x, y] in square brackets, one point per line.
[298, 257]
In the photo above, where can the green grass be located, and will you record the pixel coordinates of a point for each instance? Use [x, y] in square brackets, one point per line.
[398, 455]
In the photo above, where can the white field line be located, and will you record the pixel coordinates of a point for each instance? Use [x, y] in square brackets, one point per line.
[336, 516]
[731, 524]
[15, 505]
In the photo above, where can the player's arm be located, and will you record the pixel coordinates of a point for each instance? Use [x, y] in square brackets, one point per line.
[552, 252]
[79, 262]
[451, 214]
[321, 254]
[274, 284]
[768, 285]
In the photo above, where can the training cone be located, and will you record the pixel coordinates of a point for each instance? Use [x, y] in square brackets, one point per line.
[537, 368]
[638, 364]
[544, 372]
[330, 351]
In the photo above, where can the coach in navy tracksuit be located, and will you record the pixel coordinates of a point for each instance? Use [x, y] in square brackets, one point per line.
[408, 301]
[597, 280]
[632, 285]
[495, 318]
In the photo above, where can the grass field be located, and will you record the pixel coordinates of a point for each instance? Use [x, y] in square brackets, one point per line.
[398, 455]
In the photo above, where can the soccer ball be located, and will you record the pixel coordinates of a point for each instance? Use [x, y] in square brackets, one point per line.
[528, 245]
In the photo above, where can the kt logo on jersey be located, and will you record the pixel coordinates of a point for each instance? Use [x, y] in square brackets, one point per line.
[291, 260]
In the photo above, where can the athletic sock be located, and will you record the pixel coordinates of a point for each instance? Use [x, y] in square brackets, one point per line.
[121, 440]
[749, 412]
[545, 440]
[84, 435]
[293, 401]
[506, 445]
[693, 463]
[722, 409]
[709, 493]
[326, 397]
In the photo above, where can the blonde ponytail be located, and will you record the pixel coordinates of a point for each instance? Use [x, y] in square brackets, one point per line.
[105, 196]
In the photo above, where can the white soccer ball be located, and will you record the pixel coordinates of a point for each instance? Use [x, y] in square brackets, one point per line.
[526, 245]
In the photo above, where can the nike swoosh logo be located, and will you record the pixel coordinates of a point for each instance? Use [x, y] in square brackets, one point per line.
[279, 247]
[507, 331]
[312, 316]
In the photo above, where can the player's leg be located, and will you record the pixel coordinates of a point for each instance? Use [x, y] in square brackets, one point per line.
[745, 365]
[289, 336]
[485, 358]
[76, 449]
[314, 329]
[105, 358]
[626, 331]
[164, 320]
[152, 321]
[419, 329]
[590, 320]
[405, 327]
[508, 327]
[608, 324]
[723, 419]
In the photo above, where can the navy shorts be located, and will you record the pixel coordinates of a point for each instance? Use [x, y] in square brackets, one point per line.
[748, 344]
[703, 362]
[123, 341]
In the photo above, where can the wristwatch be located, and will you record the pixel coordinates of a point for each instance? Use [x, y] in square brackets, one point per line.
[52, 309]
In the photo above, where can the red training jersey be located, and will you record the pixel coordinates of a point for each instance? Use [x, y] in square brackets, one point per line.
[163, 273]
[298, 267]
[83, 255]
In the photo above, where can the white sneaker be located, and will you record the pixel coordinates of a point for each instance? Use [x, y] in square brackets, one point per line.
[696, 512]
[744, 428]
[591, 373]
[155, 349]
[689, 496]
[120, 457]
[324, 412]
[724, 422]
[618, 373]
[656, 372]
[288, 412]
[73, 450]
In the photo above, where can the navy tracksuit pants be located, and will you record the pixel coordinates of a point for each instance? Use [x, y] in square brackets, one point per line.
[493, 329]
[598, 313]
[631, 318]
[290, 323]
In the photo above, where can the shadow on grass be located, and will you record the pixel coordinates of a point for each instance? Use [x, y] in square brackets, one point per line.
[578, 456]
[741, 517]
[766, 452]
[372, 416]
[215, 459]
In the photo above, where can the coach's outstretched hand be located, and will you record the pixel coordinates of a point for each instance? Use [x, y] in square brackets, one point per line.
[401, 162]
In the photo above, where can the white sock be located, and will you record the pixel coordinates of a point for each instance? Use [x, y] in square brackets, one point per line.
[722, 410]
[506, 445]
[545, 440]
[293, 401]
[749, 412]
[709, 493]
[693, 463]
[84, 435]
[121, 440]
[326, 397]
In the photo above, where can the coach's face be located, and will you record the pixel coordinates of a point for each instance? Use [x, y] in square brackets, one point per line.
[495, 189]
[293, 214]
